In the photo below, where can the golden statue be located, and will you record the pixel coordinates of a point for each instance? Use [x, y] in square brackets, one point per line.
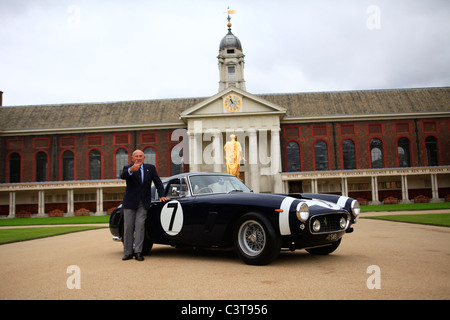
[233, 156]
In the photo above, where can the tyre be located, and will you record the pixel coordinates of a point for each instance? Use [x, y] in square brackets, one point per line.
[148, 244]
[255, 239]
[326, 249]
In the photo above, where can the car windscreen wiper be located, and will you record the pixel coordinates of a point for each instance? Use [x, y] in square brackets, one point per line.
[235, 190]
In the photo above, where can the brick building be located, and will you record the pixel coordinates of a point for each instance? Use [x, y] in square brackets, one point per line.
[373, 145]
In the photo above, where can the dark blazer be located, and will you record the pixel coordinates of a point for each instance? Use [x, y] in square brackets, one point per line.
[136, 190]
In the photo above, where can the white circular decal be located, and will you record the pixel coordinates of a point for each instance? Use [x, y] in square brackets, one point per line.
[172, 218]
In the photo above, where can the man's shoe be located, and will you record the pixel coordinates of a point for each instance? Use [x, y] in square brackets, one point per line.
[127, 257]
[139, 257]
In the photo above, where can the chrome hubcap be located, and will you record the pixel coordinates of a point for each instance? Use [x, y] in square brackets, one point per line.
[252, 238]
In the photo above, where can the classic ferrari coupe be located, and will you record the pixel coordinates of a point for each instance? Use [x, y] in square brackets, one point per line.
[218, 211]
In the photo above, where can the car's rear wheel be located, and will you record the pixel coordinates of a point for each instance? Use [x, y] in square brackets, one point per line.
[148, 245]
[255, 240]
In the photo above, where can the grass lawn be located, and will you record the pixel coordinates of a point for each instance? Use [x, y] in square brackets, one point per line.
[57, 228]
[22, 234]
[435, 219]
[407, 207]
[53, 221]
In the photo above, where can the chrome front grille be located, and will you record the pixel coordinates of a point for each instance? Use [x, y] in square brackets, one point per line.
[328, 222]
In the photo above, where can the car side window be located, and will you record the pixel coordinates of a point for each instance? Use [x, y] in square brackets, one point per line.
[176, 188]
[155, 195]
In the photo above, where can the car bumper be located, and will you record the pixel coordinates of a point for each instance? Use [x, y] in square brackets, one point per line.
[305, 241]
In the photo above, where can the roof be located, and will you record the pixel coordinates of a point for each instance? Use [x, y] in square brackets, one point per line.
[94, 114]
[166, 112]
[230, 41]
[363, 102]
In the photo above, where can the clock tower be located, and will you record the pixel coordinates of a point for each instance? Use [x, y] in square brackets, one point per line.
[231, 61]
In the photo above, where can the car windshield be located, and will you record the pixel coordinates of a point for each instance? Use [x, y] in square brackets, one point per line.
[216, 184]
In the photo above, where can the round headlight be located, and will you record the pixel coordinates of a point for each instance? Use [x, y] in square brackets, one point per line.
[302, 212]
[316, 225]
[356, 208]
[343, 223]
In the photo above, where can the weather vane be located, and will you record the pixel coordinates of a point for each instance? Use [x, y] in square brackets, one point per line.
[229, 18]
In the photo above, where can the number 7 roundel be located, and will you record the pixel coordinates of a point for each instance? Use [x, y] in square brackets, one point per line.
[172, 217]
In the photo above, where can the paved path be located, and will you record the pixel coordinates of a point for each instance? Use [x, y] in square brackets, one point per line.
[413, 260]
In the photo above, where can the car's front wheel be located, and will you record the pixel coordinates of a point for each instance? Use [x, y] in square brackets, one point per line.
[255, 239]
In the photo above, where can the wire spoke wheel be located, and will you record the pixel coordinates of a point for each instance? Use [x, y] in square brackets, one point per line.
[252, 238]
[255, 239]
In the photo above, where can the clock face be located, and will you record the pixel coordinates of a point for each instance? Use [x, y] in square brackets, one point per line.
[232, 103]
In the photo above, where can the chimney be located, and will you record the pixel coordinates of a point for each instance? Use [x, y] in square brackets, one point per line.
[1, 98]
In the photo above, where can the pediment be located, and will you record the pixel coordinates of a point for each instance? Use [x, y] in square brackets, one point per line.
[247, 104]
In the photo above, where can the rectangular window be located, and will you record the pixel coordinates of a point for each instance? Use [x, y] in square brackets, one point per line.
[402, 127]
[374, 128]
[231, 73]
[347, 129]
[319, 130]
[94, 140]
[291, 132]
[66, 142]
[429, 126]
[148, 138]
[14, 144]
[121, 139]
[41, 143]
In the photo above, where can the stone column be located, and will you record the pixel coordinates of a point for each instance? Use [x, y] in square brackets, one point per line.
[41, 203]
[253, 161]
[70, 203]
[344, 187]
[374, 182]
[314, 188]
[405, 195]
[12, 204]
[434, 188]
[217, 151]
[275, 152]
[99, 201]
[195, 147]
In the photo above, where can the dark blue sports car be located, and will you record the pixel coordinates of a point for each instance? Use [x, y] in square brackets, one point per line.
[218, 211]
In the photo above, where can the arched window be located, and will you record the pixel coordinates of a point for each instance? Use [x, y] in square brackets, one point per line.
[293, 157]
[404, 152]
[431, 146]
[41, 164]
[121, 161]
[68, 166]
[348, 154]
[95, 165]
[14, 167]
[150, 155]
[321, 155]
[376, 153]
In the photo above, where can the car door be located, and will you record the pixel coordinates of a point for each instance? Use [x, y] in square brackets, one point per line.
[214, 214]
[169, 222]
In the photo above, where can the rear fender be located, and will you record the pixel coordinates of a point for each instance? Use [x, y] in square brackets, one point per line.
[116, 222]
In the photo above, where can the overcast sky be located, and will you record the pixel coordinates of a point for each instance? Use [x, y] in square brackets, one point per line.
[74, 51]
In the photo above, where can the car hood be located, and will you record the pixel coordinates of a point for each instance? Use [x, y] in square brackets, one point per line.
[274, 200]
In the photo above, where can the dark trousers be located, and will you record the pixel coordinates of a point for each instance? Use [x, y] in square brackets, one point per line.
[134, 229]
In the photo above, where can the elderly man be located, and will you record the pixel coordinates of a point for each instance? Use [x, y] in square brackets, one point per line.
[137, 201]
